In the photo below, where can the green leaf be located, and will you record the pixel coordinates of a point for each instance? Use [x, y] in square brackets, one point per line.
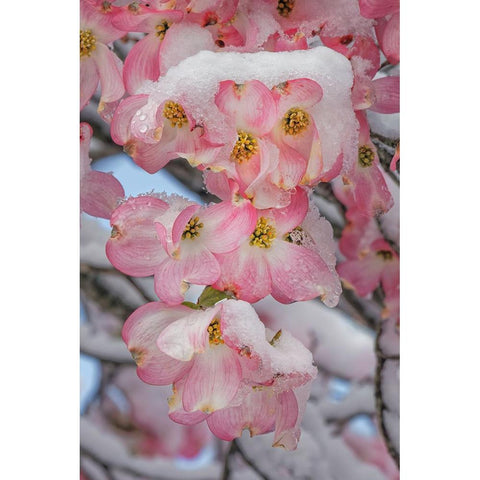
[192, 305]
[210, 297]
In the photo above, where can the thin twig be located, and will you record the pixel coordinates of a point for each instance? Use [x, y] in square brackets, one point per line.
[226, 465]
[379, 400]
[249, 462]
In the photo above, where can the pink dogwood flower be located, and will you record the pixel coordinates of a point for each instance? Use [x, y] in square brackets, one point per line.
[193, 239]
[296, 135]
[153, 142]
[379, 265]
[364, 185]
[206, 353]
[276, 372]
[97, 62]
[251, 158]
[271, 261]
[100, 193]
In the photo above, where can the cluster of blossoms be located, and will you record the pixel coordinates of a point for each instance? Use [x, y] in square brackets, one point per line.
[264, 137]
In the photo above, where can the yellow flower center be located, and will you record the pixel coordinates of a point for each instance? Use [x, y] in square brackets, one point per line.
[365, 156]
[263, 234]
[284, 7]
[214, 332]
[245, 147]
[385, 254]
[192, 228]
[295, 121]
[161, 29]
[175, 113]
[87, 43]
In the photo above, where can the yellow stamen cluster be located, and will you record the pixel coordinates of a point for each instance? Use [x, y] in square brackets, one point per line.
[385, 254]
[263, 234]
[245, 147]
[87, 43]
[175, 113]
[284, 7]
[161, 29]
[295, 121]
[365, 156]
[214, 332]
[192, 228]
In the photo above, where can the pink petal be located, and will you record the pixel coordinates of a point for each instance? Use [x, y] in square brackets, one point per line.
[291, 169]
[121, 124]
[395, 158]
[388, 34]
[195, 265]
[387, 95]
[300, 274]
[142, 63]
[213, 380]
[378, 8]
[93, 17]
[140, 333]
[256, 413]
[109, 70]
[89, 79]
[227, 224]
[245, 273]
[287, 218]
[100, 194]
[151, 157]
[188, 335]
[371, 192]
[181, 222]
[362, 275]
[301, 92]
[134, 248]
[334, 171]
[286, 432]
[176, 411]
[236, 101]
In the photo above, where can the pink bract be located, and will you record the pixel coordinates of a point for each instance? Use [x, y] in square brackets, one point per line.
[133, 247]
[143, 61]
[100, 193]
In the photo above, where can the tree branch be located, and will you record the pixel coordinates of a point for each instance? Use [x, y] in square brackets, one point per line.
[379, 400]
